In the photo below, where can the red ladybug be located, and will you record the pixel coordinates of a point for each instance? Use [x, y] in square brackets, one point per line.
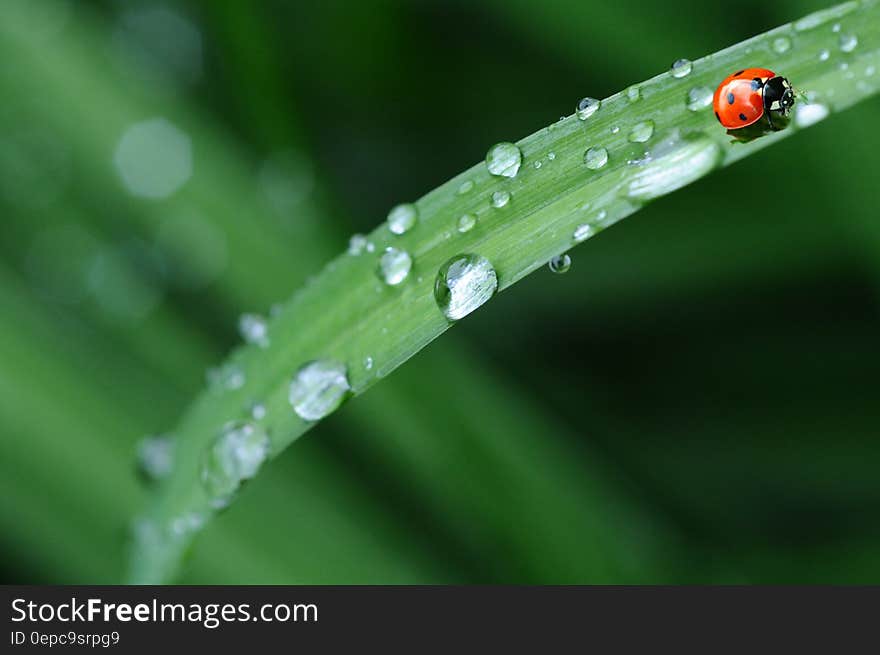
[746, 96]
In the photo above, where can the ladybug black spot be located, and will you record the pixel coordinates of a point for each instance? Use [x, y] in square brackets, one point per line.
[730, 99]
[743, 118]
[738, 73]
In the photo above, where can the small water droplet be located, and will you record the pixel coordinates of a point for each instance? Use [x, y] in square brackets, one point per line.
[824, 54]
[537, 164]
[681, 67]
[633, 93]
[674, 163]
[394, 266]
[870, 70]
[254, 329]
[466, 223]
[582, 232]
[463, 284]
[809, 114]
[228, 376]
[357, 245]
[402, 218]
[781, 45]
[551, 156]
[560, 263]
[500, 199]
[848, 42]
[318, 389]
[699, 98]
[504, 159]
[235, 456]
[835, 28]
[596, 158]
[187, 524]
[641, 132]
[368, 363]
[465, 187]
[587, 107]
[155, 456]
[257, 411]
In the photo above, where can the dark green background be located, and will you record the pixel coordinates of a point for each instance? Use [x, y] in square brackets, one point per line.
[695, 401]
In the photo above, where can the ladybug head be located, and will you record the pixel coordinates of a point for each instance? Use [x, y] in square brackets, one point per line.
[778, 95]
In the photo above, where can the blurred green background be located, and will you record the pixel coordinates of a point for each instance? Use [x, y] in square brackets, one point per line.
[695, 401]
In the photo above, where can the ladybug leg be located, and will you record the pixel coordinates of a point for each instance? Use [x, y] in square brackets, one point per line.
[770, 120]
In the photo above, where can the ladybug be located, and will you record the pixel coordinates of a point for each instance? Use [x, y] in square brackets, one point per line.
[743, 98]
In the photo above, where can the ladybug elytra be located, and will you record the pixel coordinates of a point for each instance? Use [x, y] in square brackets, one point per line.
[743, 98]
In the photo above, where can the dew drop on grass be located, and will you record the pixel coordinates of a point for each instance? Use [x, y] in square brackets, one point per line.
[615, 129]
[595, 158]
[537, 164]
[235, 456]
[641, 132]
[504, 159]
[254, 329]
[257, 411]
[368, 363]
[559, 264]
[810, 114]
[394, 266]
[226, 377]
[551, 156]
[402, 218]
[681, 68]
[466, 223]
[582, 232]
[500, 199]
[824, 54]
[318, 389]
[463, 284]
[465, 187]
[357, 245]
[633, 93]
[699, 98]
[848, 42]
[674, 163]
[155, 456]
[587, 107]
[781, 45]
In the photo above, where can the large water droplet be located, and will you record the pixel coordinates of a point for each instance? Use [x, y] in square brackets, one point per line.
[641, 132]
[596, 158]
[463, 284]
[781, 45]
[155, 456]
[681, 67]
[402, 218]
[154, 158]
[504, 159]
[235, 456]
[559, 264]
[466, 223]
[394, 266]
[500, 199]
[674, 163]
[848, 42]
[699, 98]
[809, 114]
[587, 107]
[318, 389]
[254, 329]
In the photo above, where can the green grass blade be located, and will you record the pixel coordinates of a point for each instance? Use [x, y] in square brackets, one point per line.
[348, 315]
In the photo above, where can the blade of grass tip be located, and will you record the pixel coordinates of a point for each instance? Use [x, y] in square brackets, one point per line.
[592, 177]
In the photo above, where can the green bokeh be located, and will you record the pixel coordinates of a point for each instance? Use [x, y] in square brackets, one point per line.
[695, 401]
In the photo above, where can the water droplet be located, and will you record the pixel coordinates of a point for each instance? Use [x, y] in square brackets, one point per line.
[848, 42]
[551, 156]
[466, 223]
[870, 70]
[587, 107]
[402, 218]
[633, 93]
[809, 114]
[235, 456]
[641, 132]
[318, 389]
[681, 67]
[465, 187]
[154, 158]
[537, 164]
[155, 456]
[254, 329]
[596, 158]
[394, 266]
[187, 524]
[463, 284]
[824, 55]
[699, 98]
[559, 264]
[368, 363]
[674, 163]
[781, 45]
[582, 232]
[257, 411]
[504, 159]
[500, 199]
[357, 245]
[228, 376]
[835, 28]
